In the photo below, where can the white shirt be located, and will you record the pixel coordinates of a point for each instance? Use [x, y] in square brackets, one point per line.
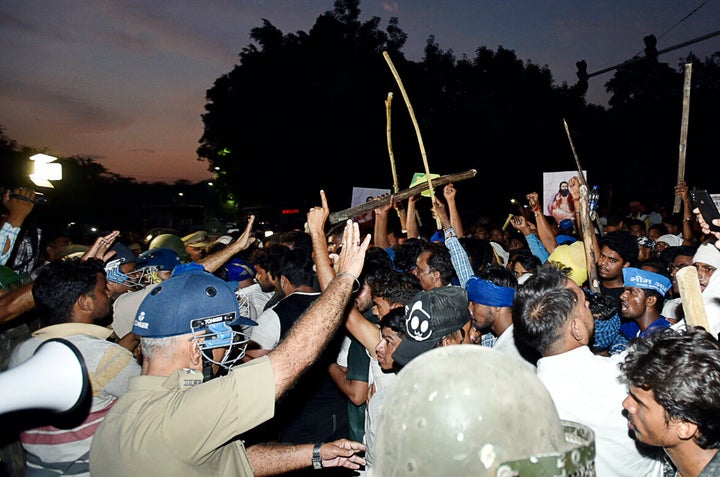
[586, 389]
[506, 343]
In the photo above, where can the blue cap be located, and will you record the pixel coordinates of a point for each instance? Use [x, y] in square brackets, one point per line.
[171, 307]
[638, 278]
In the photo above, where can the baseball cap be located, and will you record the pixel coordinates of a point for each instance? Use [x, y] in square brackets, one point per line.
[429, 316]
[174, 306]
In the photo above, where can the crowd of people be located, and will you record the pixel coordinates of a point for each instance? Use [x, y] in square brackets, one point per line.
[387, 347]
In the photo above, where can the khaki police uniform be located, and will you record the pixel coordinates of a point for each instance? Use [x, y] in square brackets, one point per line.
[179, 426]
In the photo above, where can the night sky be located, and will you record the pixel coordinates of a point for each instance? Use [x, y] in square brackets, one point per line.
[124, 82]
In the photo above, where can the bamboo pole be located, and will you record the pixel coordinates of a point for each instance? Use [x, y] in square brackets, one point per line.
[683, 132]
[388, 133]
[417, 131]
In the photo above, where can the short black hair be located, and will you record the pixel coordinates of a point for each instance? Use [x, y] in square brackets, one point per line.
[60, 283]
[682, 369]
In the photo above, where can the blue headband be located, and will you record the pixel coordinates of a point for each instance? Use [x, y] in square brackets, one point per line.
[638, 278]
[487, 293]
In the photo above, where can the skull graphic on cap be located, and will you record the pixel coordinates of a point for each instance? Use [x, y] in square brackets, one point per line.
[418, 322]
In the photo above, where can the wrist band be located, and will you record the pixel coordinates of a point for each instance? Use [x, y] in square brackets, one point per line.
[357, 282]
[316, 457]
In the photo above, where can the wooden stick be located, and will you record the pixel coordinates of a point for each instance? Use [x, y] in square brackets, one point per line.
[388, 131]
[683, 132]
[586, 230]
[692, 303]
[580, 173]
[417, 131]
[388, 104]
[360, 209]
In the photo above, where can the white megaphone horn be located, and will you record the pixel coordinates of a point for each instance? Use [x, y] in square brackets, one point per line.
[54, 378]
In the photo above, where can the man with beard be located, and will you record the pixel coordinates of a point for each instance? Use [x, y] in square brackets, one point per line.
[562, 206]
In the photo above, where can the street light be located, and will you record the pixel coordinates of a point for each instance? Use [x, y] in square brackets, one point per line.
[45, 170]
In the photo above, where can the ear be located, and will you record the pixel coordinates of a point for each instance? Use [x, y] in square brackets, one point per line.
[194, 353]
[650, 300]
[686, 430]
[576, 329]
[85, 303]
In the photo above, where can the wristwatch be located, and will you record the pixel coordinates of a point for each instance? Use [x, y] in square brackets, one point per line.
[316, 459]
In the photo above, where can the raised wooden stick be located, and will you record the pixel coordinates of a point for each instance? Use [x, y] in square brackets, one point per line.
[388, 104]
[417, 131]
[586, 230]
[581, 175]
[683, 132]
[360, 209]
[388, 131]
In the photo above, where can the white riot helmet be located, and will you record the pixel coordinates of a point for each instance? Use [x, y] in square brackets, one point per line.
[468, 410]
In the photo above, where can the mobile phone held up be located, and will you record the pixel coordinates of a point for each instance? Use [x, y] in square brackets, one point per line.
[703, 202]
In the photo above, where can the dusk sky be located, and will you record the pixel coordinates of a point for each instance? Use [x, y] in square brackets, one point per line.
[124, 82]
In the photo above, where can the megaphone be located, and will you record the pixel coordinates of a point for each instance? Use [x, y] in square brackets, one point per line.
[54, 378]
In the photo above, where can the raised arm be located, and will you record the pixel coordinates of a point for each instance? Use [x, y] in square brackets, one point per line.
[411, 220]
[682, 190]
[574, 186]
[381, 224]
[309, 336]
[214, 261]
[547, 237]
[316, 218]
[19, 203]
[450, 193]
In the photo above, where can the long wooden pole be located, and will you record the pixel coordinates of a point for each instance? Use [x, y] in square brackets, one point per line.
[388, 132]
[417, 131]
[360, 209]
[683, 132]
[586, 230]
[580, 174]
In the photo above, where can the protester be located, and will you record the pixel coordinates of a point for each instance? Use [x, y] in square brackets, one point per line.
[673, 400]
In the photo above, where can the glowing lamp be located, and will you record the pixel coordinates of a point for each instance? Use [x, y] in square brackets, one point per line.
[45, 170]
